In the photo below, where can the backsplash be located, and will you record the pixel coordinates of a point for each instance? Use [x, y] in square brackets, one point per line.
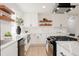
[46, 29]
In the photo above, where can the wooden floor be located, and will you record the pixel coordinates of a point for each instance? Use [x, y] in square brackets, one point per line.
[36, 50]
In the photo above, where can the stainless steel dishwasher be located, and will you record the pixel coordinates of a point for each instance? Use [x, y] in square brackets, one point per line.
[21, 47]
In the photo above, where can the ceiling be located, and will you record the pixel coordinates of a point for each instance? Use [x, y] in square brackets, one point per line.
[38, 7]
[32, 7]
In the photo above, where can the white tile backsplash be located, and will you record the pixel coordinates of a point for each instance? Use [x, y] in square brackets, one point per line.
[46, 30]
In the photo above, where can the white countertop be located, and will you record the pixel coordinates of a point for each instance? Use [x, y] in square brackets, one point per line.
[70, 46]
[13, 40]
[7, 44]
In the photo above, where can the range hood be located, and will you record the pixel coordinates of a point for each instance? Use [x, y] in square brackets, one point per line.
[63, 8]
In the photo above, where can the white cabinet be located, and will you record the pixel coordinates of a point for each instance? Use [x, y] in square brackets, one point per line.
[35, 38]
[10, 50]
[43, 38]
[27, 44]
[62, 52]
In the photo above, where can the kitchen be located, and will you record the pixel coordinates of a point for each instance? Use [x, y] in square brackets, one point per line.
[39, 29]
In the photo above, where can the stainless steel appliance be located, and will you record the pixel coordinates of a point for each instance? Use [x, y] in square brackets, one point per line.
[21, 47]
[51, 48]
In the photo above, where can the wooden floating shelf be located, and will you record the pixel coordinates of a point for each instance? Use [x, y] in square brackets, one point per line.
[6, 9]
[45, 21]
[5, 18]
[45, 24]
[4, 13]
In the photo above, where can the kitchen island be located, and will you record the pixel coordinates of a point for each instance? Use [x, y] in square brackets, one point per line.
[64, 45]
[67, 48]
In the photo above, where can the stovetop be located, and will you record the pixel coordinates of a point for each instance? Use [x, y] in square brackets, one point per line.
[61, 38]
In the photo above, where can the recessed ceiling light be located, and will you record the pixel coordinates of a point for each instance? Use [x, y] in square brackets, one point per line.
[57, 8]
[43, 6]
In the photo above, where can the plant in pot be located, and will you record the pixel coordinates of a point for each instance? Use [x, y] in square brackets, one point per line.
[8, 35]
[19, 21]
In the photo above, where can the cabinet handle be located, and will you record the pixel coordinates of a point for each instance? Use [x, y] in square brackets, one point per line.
[62, 54]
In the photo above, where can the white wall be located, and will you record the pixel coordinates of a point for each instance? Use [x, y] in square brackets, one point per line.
[56, 18]
[43, 32]
[30, 19]
[64, 20]
[31, 23]
[72, 24]
[77, 25]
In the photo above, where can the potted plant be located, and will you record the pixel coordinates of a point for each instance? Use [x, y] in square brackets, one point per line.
[8, 35]
[19, 21]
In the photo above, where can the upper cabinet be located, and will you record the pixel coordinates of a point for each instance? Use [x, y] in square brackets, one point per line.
[5, 13]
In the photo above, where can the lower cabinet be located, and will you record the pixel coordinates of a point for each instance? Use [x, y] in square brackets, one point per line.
[62, 52]
[27, 41]
[10, 50]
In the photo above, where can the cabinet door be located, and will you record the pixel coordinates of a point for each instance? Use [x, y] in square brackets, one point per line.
[62, 52]
[27, 44]
[10, 50]
[43, 38]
